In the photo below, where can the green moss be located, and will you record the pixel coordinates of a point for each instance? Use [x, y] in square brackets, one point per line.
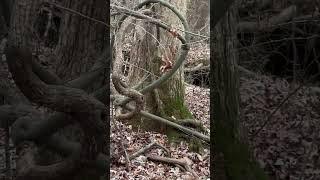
[174, 136]
[176, 107]
[195, 145]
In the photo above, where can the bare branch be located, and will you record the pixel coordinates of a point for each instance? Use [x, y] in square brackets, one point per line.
[286, 15]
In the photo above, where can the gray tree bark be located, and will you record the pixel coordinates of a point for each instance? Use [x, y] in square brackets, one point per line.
[81, 43]
[232, 157]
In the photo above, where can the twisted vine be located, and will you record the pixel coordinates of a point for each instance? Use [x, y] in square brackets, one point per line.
[84, 108]
[135, 95]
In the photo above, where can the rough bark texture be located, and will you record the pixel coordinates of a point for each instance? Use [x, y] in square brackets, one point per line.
[84, 108]
[22, 23]
[172, 92]
[232, 157]
[81, 41]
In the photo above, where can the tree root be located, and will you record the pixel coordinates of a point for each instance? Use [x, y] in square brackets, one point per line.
[191, 123]
[148, 147]
[181, 163]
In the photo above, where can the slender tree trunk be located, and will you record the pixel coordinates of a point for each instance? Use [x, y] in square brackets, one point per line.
[232, 157]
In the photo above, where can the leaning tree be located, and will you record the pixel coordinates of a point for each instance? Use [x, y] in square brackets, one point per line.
[76, 95]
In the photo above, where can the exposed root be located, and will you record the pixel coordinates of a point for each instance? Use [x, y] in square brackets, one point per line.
[148, 147]
[180, 162]
[191, 123]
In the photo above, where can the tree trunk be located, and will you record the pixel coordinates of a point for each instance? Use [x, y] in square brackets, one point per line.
[81, 40]
[232, 157]
[172, 92]
[80, 44]
[168, 100]
[23, 18]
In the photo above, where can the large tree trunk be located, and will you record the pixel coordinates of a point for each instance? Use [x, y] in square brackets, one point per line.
[80, 44]
[172, 92]
[81, 40]
[24, 14]
[22, 21]
[168, 100]
[232, 156]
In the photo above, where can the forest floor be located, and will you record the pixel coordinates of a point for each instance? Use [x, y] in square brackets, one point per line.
[287, 147]
[198, 102]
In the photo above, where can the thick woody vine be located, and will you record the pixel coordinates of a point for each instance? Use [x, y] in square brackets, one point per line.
[69, 103]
